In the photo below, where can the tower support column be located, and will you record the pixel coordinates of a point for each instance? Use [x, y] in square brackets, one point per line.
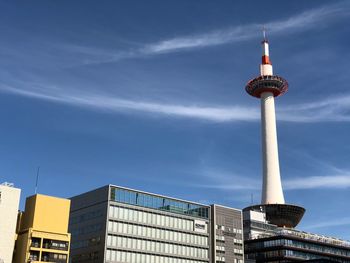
[272, 187]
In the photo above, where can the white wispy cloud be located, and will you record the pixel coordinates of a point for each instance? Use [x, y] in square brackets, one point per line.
[247, 183]
[335, 109]
[338, 179]
[329, 223]
[227, 181]
[315, 182]
[300, 22]
[329, 110]
[304, 21]
[112, 104]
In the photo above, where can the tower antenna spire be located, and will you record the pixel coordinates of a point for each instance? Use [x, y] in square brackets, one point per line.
[264, 32]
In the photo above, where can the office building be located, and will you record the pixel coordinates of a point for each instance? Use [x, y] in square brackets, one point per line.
[9, 201]
[117, 224]
[43, 230]
[227, 235]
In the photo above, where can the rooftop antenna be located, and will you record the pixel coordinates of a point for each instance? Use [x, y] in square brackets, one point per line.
[252, 198]
[37, 179]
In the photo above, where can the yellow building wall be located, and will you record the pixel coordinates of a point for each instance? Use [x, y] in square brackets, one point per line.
[28, 214]
[45, 217]
[47, 213]
[21, 248]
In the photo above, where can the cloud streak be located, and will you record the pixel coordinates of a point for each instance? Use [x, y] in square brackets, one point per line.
[304, 21]
[237, 182]
[340, 181]
[335, 109]
[329, 223]
[300, 22]
[217, 179]
[110, 104]
[305, 183]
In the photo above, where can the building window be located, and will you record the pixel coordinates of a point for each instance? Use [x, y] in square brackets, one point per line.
[156, 233]
[159, 203]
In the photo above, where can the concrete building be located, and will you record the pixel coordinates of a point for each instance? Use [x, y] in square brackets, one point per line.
[42, 230]
[9, 201]
[227, 234]
[117, 224]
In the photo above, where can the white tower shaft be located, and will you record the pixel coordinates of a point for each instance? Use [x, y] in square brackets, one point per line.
[272, 192]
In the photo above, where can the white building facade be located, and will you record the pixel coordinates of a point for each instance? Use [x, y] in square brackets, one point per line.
[9, 202]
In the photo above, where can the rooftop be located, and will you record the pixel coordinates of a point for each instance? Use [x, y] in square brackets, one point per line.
[7, 184]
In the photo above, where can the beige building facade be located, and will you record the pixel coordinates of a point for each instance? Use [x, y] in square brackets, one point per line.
[9, 201]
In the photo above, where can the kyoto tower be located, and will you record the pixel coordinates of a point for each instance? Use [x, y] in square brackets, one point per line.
[266, 87]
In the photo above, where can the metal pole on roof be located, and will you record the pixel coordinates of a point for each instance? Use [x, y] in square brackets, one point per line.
[37, 179]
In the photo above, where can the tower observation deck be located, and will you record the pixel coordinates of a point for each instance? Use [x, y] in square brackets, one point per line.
[266, 87]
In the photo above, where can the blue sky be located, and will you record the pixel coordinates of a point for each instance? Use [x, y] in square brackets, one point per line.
[150, 95]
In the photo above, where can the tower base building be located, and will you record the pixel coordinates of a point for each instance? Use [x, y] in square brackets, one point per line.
[266, 242]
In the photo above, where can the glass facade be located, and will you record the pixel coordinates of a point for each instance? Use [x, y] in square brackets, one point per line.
[148, 218]
[134, 257]
[146, 234]
[305, 245]
[157, 233]
[297, 249]
[151, 246]
[159, 203]
[296, 255]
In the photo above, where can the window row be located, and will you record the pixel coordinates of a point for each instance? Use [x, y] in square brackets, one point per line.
[238, 251]
[49, 243]
[237, 241]
[306, 245]
[229, 229]
[92, 241]
[220, 248]
[157, 247]
[220, 238]
[310, 256]
[150, 218]
[85, 216]
[86, 229]
[220, 259]
[91, 256]
[129, 257]
[151, 232]
[158, 202]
